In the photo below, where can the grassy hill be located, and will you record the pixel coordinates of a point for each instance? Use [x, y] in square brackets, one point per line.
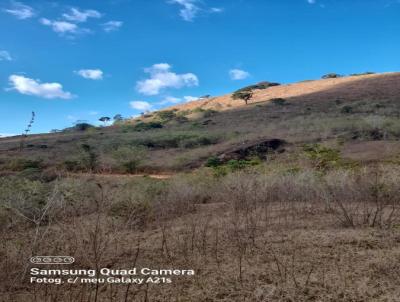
[292, 197]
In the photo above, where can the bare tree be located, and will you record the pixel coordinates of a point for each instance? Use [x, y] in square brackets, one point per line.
[27, 130]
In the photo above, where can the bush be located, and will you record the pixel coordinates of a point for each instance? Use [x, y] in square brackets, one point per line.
[176, 141]
[235, 165]
[129, 157]
[82, 126]
[147, 126]
[21, 164]
[346, 109]
[134, 201]
[23, 196]
[141, 126]
[135, 214]
[331, 76]
[88, 157]
[322, 157]
[166, 115]
[361, 74]
[198, 141]
[71, 165]
[213, 162]
[261, 85]
[197, 110]
[221, 169]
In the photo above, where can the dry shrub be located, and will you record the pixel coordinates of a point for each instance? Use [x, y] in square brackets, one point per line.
[255, 243]
[366, 197]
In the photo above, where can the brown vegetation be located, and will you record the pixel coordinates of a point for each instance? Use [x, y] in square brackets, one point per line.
[254, 235]
[291, 198]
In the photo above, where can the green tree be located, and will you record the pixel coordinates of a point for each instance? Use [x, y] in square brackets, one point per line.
[117, 118]
[104, 119]
[244, 95]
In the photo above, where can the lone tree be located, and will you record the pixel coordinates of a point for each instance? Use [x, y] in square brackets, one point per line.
[27, 130]
[117, 118]
[104, 119]
[244, 95]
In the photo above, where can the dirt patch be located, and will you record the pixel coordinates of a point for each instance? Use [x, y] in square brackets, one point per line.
[371, 150]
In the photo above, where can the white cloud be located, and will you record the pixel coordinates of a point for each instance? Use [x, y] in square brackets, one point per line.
[91, 74]
[5, 56]
[170, 100]
[216, 9]
[93, 112]
[60, 27]
[140, 105]
[75, 15]
[6, 134]
[29, 86]
[175, 100]
[238, 74]
[161, 78]
[189, 8]
[20, 11]
[112, 26]
[190, 98]
[311, 1]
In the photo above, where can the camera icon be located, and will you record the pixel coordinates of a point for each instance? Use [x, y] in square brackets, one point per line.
[52, 260]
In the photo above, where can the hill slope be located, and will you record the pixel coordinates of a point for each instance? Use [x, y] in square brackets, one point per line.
[299, 201]
[346, 113]
[349, 88]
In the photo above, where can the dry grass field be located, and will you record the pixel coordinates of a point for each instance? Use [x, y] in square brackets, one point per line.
[296, 200]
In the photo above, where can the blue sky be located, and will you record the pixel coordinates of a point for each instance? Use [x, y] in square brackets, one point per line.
[80, 60]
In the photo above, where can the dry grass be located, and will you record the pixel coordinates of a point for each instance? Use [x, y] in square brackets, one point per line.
[295, 228]
[250, 236]
[348, 88]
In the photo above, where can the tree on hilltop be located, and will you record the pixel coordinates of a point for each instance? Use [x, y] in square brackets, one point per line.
[243, 95]
[104, 119]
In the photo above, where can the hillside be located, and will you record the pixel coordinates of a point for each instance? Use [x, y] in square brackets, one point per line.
[351, 88]
[347, 113]
[293, 197]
